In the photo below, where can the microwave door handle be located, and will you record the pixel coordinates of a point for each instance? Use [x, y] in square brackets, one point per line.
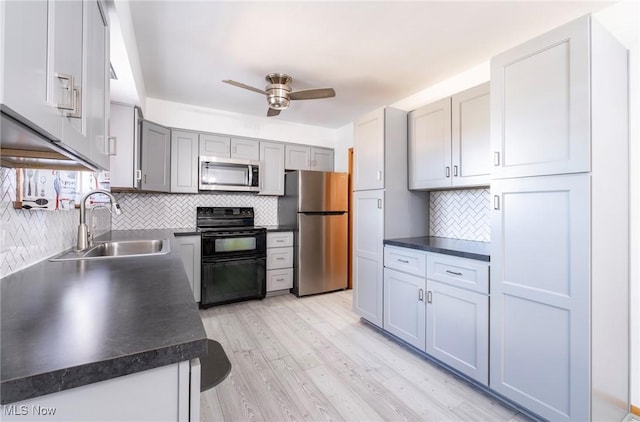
[250, 175]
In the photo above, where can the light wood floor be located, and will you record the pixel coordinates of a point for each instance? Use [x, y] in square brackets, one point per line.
[313, 359]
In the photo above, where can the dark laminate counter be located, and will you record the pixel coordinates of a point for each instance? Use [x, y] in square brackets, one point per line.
[69, 324]
[279, 228]
[457, 247]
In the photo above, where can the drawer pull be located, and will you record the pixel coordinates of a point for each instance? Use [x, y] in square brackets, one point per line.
[280, 240]
[279, 279]
[279, 258]
[454, 273]
[404, 261]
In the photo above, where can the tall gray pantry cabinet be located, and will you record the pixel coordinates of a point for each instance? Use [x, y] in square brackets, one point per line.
[383, 207]
[560, 225]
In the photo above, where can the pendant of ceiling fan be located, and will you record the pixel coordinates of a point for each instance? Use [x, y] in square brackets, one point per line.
[279, 93]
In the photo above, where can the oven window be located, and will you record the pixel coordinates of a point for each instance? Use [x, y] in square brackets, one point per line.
[236, 244]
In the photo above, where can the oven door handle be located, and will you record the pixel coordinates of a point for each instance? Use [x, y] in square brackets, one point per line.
[232, 234]
[237, 259]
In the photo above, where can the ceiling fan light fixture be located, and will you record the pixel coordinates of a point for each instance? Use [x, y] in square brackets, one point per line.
[278, 96]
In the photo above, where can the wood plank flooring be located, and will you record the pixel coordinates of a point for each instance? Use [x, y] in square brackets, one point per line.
[313, 359]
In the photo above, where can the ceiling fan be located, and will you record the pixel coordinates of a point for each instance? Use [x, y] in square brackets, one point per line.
[279, 92]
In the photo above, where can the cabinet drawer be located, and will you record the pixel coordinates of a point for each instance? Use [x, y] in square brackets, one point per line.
[279, 279]
[406, 260]
[460, 272]
[279, 239]
[279, 258]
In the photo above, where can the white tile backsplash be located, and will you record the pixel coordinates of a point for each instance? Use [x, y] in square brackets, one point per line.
[161, 210]
[29, 236]
[460, 214]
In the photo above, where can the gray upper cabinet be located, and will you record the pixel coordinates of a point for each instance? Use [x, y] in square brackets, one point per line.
[97, 85]
[430, 146]
[449, 142]
[297, 157]
[184, 162]
[156, 157]
[54, 56]
[26, 55]
[560, 331]
[227, 147]
[368, 149]
[272, 169]
[321, 159]
[245, 149]
[125, 157]
[215, 145]
[540, 105]
[470, 137]
[301, 157]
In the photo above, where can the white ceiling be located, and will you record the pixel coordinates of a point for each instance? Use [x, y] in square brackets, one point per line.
[372, 53]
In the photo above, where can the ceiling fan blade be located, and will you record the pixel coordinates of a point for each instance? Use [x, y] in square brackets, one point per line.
[241, 85]
[272, 112]
[312, 94]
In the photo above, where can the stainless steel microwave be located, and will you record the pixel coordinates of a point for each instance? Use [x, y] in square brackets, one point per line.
[228, 174]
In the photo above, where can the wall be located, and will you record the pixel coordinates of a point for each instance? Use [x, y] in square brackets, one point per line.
[204, 119]
[29, 236]
[344, 141]
[461, 214]
[161, 210]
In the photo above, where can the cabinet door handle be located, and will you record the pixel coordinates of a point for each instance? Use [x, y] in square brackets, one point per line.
[76, 113]
[447, 171]
[379, 174]
[380, 203]
[69, 104]
[496, 158]
[453, 272]
[112, 145]
[138, 174]
[455, 171]
[404, 261]
[145, 178]
[421, 295]
[496, 202]
[429, 297]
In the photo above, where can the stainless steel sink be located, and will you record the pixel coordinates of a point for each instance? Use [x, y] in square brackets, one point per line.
[118, 249]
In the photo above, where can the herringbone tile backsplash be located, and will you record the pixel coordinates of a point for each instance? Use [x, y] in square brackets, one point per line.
[29, 236]
[460, 214]
[159, 210]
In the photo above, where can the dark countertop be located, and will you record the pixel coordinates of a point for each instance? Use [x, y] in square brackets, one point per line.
[69, 324]
[279, 228]
[456, 247]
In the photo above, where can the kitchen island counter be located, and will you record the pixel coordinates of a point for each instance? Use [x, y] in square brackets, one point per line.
[444, 245]
[74, 323]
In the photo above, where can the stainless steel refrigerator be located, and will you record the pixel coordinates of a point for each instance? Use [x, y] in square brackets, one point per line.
[315, 204]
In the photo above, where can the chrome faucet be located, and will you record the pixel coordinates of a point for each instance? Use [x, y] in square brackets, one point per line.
[83, 229]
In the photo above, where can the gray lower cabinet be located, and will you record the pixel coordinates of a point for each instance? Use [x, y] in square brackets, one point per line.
[156, 157]
[279, 262]
[439, 304]
[368, 233]
[190, 252]
[184, 162]
[272, 168]
[404, 310]
[458, 329]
